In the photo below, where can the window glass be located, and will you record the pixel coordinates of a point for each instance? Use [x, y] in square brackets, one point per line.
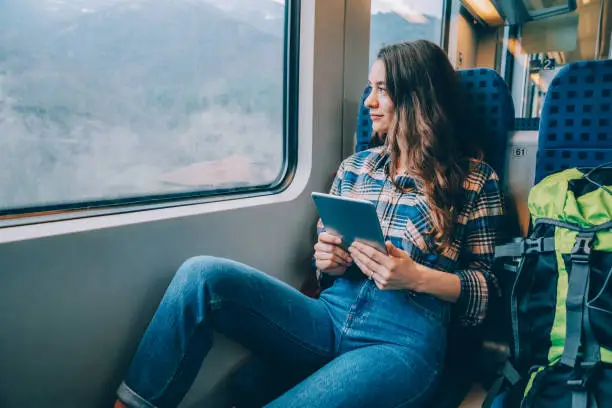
[395, 21]
[108, 99]
[545, 46]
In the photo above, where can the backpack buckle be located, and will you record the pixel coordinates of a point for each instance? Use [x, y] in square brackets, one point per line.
[588, 371]
[582, 248]
[577, 384]
[532, 246]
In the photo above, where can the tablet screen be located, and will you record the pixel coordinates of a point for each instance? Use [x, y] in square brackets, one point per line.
[350, 219]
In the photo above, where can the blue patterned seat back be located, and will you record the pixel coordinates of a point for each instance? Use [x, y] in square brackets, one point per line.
[576, 119]
[364, 123]
[490, 110]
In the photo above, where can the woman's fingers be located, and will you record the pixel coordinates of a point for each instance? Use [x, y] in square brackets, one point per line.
[333, 250]
[326, 265]
[331, 256]
[328, 238]
[331, 267]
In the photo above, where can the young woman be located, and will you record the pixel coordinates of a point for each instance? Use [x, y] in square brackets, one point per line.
[376, 337]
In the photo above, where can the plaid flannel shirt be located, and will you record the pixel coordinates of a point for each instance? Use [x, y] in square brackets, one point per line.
[406, 222]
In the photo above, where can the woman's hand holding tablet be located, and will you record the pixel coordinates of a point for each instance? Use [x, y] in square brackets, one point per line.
[330, 257]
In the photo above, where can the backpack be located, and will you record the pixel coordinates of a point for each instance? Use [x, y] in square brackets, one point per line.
[558, 301]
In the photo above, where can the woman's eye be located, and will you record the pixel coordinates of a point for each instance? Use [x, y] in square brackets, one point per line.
[382, 91]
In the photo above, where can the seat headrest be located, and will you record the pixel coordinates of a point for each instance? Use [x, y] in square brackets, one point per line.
[490, 108]
[576, 119]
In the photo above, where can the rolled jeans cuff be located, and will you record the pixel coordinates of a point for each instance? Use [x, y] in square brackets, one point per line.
[131, 399]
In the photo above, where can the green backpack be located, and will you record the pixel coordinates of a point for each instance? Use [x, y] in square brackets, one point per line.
[559, 301]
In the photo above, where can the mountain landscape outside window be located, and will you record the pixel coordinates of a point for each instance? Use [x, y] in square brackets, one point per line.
[105, 99]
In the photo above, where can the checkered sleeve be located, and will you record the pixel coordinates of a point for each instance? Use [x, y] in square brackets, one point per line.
[478, 282]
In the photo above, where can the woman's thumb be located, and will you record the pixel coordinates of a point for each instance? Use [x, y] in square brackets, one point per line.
[393, 250]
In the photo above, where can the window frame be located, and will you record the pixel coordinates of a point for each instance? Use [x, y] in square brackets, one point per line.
[36, 214]
[445, 27]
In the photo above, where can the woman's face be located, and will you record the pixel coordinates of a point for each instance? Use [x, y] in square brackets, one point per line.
[379, 101]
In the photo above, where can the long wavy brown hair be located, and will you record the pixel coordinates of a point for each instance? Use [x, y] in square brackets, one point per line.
[429, 133]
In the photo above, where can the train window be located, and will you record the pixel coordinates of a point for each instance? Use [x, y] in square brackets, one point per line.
[543, 47]
[394, 21]
[129, 101]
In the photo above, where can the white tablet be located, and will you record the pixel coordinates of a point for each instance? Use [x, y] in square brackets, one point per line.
[350, 219]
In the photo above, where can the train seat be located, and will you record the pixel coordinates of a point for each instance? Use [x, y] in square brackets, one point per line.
[576, 120]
